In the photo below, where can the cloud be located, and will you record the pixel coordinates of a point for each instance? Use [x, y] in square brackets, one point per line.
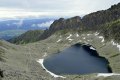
[19, 23]
[33, 25]
[52, 7]
[45, 24]
[13, 13]
[58, 5]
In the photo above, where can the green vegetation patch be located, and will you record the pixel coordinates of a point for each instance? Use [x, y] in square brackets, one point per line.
[27, 37]
[111, 30]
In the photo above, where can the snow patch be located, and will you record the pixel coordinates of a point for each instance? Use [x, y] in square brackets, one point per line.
[88, 34]
[103, 40]
[101, 37]
[113, 43]
[116, 44]
[84, 38]
[69, 36]
[45, 55]
[92, 48]
[54, 75]
[58, 40]
[118, 47]
[70, 39]
[77, 35]
[106, 74]
[96, 34]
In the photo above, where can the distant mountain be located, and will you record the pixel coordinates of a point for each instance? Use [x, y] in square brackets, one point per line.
[13, 28]
[27, 37]
[26, 24]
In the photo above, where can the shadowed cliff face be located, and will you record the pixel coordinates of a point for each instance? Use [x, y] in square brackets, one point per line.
[1, 73]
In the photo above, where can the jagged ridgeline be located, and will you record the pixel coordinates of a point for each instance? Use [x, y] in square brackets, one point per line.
[104, 21]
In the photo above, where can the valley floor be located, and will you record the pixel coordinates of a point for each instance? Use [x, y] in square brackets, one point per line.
[21, 60]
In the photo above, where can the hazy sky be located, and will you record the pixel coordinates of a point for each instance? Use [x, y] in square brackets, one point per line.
[21, 8]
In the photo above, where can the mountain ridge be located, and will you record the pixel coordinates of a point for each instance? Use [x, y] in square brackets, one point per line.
[91, 22]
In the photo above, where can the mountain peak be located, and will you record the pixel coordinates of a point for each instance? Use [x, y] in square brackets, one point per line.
[62, 23]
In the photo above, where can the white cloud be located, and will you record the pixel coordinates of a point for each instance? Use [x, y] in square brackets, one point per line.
[58, 5]
[45, 24]
[8, 24]
[13, 13]
[59, 8]
[33, 25]
[19, 23]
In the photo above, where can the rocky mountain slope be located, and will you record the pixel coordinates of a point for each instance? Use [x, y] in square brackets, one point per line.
[21, 60]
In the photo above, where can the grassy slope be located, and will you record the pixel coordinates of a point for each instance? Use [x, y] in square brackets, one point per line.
[111, 30]
[27, 37]
[11, 33]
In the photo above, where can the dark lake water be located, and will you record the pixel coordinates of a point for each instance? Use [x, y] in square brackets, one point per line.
[77, 59]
